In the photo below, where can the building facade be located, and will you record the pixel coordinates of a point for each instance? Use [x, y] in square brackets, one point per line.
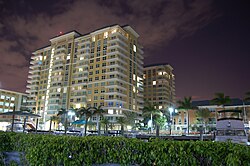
[10, 100]
[182, 116]
[159, 85]
[101, 68]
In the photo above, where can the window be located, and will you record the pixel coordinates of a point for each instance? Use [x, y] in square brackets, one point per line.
[154, 82]
[103, 64]
[97, 65]
[103, 77]
[102, 97]
[96, 91]
[96, 78]
[91, 61]
[103, 84]
[97, 72]
[97, 59]
[96, 84]
[104, 58]
[91, 67]
[95, 97]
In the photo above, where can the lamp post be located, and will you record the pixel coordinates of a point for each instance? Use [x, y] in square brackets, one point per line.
[170, 109]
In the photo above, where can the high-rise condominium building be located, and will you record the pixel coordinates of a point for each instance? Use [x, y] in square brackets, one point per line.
[101, 68]
[159, 85]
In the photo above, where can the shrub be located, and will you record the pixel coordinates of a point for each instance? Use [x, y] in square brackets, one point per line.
[67, 150]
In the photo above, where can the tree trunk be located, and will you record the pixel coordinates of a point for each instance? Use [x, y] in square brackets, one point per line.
[24, 124]
[157, 130]
[151, 118]
[122, 129]
[36, 124]
[188, 122]
[50, 124]
[13, 120]
[98, 125]
[65, 124]
[86, 125]
[106, 126]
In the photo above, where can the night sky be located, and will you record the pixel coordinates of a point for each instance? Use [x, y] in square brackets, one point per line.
[207, 42]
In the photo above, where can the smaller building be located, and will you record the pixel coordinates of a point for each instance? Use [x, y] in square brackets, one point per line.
[10, 100]
[159, 85]
[180, 120]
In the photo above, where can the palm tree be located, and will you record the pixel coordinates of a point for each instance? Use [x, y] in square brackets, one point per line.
[106, 122]
[203, 115]
[84, 112]
[150, 110]
[122, 121]
[247, 97]
[53, 119]
[24, 109]
[64, 112]
[99, 112]
[245, 100]
[221, 100]
[186, 104]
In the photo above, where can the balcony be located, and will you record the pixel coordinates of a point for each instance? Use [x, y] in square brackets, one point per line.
[58, 60]
[119, 36]
[57, 70]
[83, 49]
[34, 75]
[82, 64]
[59, 54]
[60, 49]
[31, 90]
[32, 85]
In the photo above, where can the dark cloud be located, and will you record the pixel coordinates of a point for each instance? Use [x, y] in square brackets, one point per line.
[29, 25]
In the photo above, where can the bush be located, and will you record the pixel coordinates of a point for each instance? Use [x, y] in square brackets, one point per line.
[67, 150]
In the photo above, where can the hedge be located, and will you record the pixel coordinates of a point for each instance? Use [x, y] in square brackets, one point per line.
[45, 150]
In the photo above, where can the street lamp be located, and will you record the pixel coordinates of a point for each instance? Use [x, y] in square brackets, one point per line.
[171, 110]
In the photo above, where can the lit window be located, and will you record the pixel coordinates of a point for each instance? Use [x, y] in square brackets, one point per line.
[134, 48]
[160, 107]
[105, 35]
[110, 111]
[93, 38]
[12, 98]
[160, 73]
[68, 57]
[154, 82]
[80, 69]
[114, 31]
[81, 58]
[2, 96]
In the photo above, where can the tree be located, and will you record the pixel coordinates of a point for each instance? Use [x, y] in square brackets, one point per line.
[122, 121]
[64, 113]
[247, 97]
[245, 100]
[53, 119]
[106, 122]
[99, 112]
[186, 104]
[221, 100]
[150, 110]
[84, 112]
[203, 115]
[24, 109]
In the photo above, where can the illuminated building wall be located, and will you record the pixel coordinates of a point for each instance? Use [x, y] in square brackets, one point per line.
[103, 67]
[159, 85]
